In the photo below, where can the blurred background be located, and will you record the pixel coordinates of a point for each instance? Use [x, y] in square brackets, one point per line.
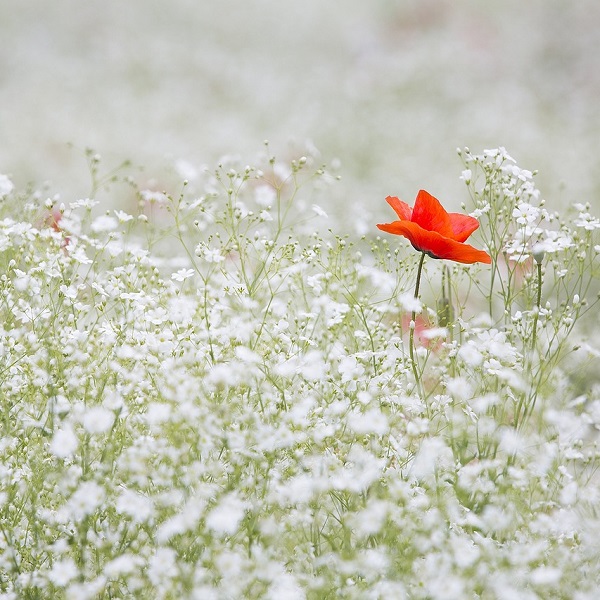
[390, 88]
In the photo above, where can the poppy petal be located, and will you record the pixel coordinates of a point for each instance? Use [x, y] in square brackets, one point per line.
[403, 210]
[445, 248]
[431, 215]
[462, 226]
[434, 244]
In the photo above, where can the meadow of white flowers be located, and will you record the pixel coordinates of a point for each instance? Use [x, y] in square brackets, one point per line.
[213, 397]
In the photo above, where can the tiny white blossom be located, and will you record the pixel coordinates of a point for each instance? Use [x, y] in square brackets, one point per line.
[313, 365]
[371, 421]
[64, 442]
[157, 413]
[122, 565]
[98, 419]
[86, 499]
[104, 223]
[183, 274]
[466, 176]
[6, 186]
[349, 368]
[135, 505]
[162, 566]
[526, 214]
[285, 585]
[545, 576]
[470, 354]
[225, 517]
[409, 303]
[318, 210]
[478, 212]
[78, 254]
[63, 571]
[568, 495]
[153, 196]
[83, 203]
[122, 216]
[246, 355]
[210, 255]
[587, 221]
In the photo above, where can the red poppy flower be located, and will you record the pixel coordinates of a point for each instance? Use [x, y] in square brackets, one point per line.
[432, 230]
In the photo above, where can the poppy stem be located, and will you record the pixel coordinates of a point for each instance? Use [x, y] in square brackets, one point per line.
[413, 317]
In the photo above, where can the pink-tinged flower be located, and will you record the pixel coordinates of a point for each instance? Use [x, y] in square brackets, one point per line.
[425, 334]
[432, 230]
[53, 220]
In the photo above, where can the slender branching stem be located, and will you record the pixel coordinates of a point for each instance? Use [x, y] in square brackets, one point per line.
[538, 304]
[413, 359]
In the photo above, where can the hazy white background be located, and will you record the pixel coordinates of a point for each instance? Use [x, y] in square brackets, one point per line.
[389, 88]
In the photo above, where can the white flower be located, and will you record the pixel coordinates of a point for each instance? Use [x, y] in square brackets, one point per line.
[210, 255]
[122, 216]
[140, 508]
[63, 571]
[225, 517]
[470, 354]
[313, 365]
[6, 186]
[162, 566]
[334, 311]
[122, 565]
[246, 355]
[485, 208]
[64, 442]
[83, 203]
[526, 214]
[152, 196]
[349, 368]
[409, 303]
[432, 455]
[545, 576]
[104, 223]
[86, 499]
[157, 413]
[586, 221]
[371, 421]
[319, 210]
[98, 419]
[183, 274]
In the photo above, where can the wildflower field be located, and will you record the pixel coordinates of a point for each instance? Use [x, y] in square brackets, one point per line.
[221, 394]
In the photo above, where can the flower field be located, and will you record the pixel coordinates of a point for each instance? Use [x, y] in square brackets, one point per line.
[220, 394]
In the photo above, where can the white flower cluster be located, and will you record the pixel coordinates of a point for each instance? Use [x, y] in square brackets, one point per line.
[242, 421]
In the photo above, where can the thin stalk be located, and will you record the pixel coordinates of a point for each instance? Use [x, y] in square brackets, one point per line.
[411, 345]
[538, 305]
[527, 404]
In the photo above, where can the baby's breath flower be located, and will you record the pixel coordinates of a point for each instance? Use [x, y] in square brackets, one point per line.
[183, 274]
[6, 186]
[319, 211]
[587, 221]
[122, 216]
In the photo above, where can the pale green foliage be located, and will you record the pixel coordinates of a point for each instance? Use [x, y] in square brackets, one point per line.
[214, 399]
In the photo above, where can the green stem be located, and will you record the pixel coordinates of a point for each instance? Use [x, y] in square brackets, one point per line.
[413, 360]
[538, 304]
[527, 404]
